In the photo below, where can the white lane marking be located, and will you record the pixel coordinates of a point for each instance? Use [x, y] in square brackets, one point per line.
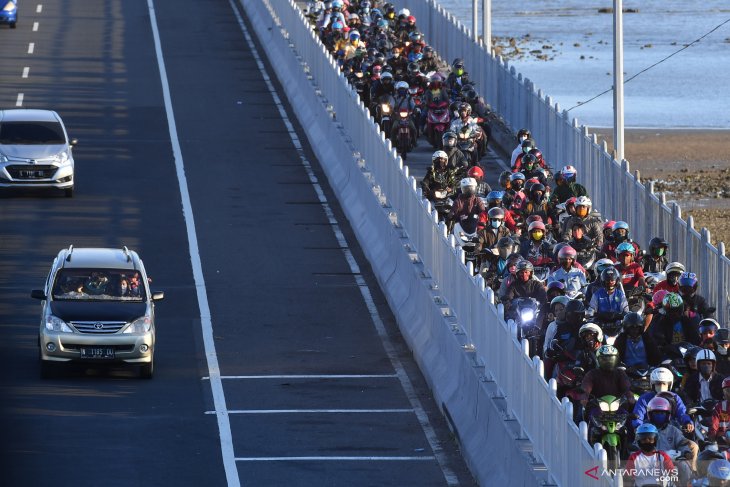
[219, 399]
[428, 430]
[333, 459]
[19, 101]
[316, 411]
[31, 47]
[311, 376]
[26, 70]
[35, 26]
[39, 8]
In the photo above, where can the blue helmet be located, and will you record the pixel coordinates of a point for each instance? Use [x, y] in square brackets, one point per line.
[495, 195]
[719, 469]
[620, 224]
[646, 429]
[625, 247]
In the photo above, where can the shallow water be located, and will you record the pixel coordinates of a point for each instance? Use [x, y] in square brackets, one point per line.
[690, 89]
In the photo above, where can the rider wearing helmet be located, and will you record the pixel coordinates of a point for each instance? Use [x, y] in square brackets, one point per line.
[673, 270]
[634, 345]
[526, 146]
[430, 61]
[537, 202]
[436, 91]
[566, 187]
[522, 135]
[694, 305]
[467, 124]
[619, 235]
[569, 317]
[382, 89]
[704, 383]
[674, 326]
[467, 205]
[495, 199]
[457, 159]
[525, 286]
[607, 379]
[439, 176]
[656, 259]
[641, 466]
[632, 276]
[499, 267]
[598, 267]
[537, 248]
[670, 437]
[708, 328]
[609, 299]
[662, 381]
[404, 101]
[518, 197]
[483, 188]
[718, 473]
[573, 277]
[583, 214]
[457, 77]
[494, 230]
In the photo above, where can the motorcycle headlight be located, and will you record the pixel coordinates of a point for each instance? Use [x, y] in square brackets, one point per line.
[386, 108]
[613, 407]
[139, 326]
[9, 7]
[54, 323]
[604, 406]
[527, 315]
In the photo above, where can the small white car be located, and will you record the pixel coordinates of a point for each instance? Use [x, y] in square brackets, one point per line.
[35, 151]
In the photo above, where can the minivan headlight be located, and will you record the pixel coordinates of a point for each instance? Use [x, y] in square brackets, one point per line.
[61, 157]
[3, 158]
[139, 326]
[54, 323]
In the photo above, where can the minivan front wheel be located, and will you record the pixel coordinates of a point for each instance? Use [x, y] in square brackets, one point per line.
[147, 370]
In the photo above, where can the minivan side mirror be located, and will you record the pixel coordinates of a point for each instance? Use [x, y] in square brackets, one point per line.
[158, 296]
[37, 294]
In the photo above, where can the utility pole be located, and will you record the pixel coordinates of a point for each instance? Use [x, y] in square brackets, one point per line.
[618, 80]
[474, 15]
[487, 24]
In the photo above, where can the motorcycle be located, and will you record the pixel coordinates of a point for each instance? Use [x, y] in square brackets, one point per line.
[701, 415]
[467, 144]
[404, 138]
[437, 122]
[525, 313]
[586, 258]
[384, 113]
[654, 278]
[465, 233]
[608, 427]
[416, 93]
[442, 203]
[611, 324]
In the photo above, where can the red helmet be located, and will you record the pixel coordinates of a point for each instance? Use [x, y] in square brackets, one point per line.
[658, 403]
[411, 20]
[538, 156]
[567, 252]
[476, 172]
[536, 226]
[609, 225]
[533, 218]
[726, 382]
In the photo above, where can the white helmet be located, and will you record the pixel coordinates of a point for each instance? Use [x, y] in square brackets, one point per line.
[404, 11]
[401, 84]
[592, 327]
[662, 375]
[601, 264]
[675, 267]
[468, 183]
[439, 154]
[583, 201]
[705, 354]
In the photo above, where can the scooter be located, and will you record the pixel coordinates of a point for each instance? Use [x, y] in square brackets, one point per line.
[465, 233]
[437, 121]
[525, 312]
[608, 427]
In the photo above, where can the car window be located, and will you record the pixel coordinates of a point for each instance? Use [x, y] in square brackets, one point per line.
[29, 133]
[98, 285]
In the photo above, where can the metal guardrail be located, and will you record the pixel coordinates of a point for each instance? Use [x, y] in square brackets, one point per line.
[558, 443]
[619, 194]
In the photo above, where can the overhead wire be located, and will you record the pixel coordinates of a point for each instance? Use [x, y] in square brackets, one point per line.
[686, 46]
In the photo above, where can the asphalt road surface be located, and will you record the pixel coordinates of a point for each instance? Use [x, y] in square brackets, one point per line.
[314, 393]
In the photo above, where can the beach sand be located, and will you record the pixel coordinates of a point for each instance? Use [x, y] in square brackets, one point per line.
[696, 163]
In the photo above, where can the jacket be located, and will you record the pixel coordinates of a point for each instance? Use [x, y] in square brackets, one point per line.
[530, 289]
[434, 180]
[670, 438]
[598, 382]
[653, 353]
[563, 192]
[602, 302]
[464, 207]
[665, 333]
[574, 279]
[720, 419]
[679, 413]
[640, 466]
[594, 228]
[692, 387]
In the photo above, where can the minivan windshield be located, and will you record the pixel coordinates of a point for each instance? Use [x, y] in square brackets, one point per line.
[98, 285]
[31, 133]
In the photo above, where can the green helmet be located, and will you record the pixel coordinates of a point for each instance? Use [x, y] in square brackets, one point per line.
[607, 357]
[672, 301]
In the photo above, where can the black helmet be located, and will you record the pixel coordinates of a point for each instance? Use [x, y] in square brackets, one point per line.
[658, 247]
[464, 106]
[458, 63]
[575, 312]
[609, 274]
[529, 160]
[449, 139]
[528, 145]
[523, 133]
[525, 265]
[413, 68]
[470, 94]
[633, 324]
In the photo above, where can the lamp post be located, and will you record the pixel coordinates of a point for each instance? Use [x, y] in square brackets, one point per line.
[618, 80]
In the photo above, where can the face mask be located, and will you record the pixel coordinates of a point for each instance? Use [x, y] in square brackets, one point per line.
[468, 191]
[659, 252]
[537, 236]
[647, 447]
[522, 139]
[660, 419]
[495, 223]
[721, 350]
[661, 387]
[581, 211]
[525, 150]
[706, 369]
[459, 71]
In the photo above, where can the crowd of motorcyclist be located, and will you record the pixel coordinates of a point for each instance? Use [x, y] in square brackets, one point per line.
[624, 331]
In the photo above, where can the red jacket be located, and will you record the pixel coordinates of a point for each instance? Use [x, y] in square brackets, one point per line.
[720, 419]
[660, 461]
[631, 274]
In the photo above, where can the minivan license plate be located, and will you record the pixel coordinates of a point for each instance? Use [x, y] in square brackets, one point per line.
[103, 353]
